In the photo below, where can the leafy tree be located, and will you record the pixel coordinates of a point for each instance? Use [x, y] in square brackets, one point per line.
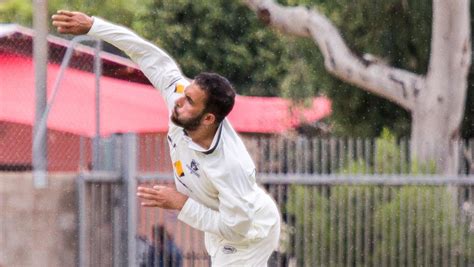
[435, 100]
[21, 11]
[220, 36]
[262, 62]
[18, 11]
[374, 29]
[278, 65]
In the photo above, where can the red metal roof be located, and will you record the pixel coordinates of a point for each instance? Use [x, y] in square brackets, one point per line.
[274, 114]
[127, 106]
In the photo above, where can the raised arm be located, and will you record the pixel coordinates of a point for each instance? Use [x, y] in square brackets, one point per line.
[158, 66]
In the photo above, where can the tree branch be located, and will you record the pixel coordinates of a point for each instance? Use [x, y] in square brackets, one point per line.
[368, 73]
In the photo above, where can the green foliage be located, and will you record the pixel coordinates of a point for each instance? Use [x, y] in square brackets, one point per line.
[398, 33]
[120, 11]
[260, 62]
[298, 77]
[376, 225]
[388, 158]
[391, 220]
[423, 168]
[424, 221]
[226, 37]
[18, 11]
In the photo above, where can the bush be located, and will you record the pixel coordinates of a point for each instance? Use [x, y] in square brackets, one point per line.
[378, 224]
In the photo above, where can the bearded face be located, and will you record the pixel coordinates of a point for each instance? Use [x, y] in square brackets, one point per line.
[190, 123]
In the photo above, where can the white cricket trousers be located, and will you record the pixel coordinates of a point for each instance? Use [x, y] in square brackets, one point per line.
[253, 253]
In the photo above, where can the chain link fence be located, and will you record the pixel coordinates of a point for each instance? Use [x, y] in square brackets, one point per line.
[73, 150]
[344, 201]
[411, 221]
[276, 155]
[18, 102]
[327, 220]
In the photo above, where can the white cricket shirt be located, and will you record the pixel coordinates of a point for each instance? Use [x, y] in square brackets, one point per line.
[224, 199]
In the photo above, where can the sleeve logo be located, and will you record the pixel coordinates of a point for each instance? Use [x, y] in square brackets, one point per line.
[178, 167]
[179, 88]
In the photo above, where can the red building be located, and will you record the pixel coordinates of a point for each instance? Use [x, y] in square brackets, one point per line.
[128, 104]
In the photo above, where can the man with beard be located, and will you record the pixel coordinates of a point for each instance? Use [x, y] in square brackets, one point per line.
[216, 191]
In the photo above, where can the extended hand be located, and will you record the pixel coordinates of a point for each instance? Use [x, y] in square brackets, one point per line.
[72, 22]
[161, 197]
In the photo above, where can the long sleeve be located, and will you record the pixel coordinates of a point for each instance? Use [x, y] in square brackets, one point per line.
[235, 214]
[231, 224]
[157, 66]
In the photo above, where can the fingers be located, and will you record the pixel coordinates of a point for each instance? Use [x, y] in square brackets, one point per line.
[72, 22]
[152, 190]
[149, 204]
[146, 190]
[65, 13]
[62, 23]
[148, 193]
[157, 196]
[158, 187]
[61, 18]
[65, 30]
[147, 196]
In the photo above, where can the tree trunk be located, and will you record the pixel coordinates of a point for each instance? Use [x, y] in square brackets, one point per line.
[436, 101]
[439, 109]
[432, 148]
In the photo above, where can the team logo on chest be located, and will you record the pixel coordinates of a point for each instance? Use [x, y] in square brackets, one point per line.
[193, 167]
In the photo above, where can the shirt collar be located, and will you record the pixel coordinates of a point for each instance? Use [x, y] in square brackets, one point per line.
[214, 144]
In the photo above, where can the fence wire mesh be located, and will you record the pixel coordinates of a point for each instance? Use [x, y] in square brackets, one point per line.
[18, 103]
[71, 150]
[324, 224]
[166, 241]
[279, 154]
[342, 224]
[375, 225]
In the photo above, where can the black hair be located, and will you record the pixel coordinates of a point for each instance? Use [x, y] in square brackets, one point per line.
[220, 94]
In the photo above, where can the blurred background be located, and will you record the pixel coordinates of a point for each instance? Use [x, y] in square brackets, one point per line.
[357, 183]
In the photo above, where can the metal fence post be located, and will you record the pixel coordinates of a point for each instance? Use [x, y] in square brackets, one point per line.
[83, 252]
[39, 146]
[129, 170]
[40, 54]
[98, 73]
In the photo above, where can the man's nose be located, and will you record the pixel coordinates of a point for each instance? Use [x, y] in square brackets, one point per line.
[179, 102]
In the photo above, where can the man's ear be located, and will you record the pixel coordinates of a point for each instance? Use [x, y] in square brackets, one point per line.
[209, 119]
